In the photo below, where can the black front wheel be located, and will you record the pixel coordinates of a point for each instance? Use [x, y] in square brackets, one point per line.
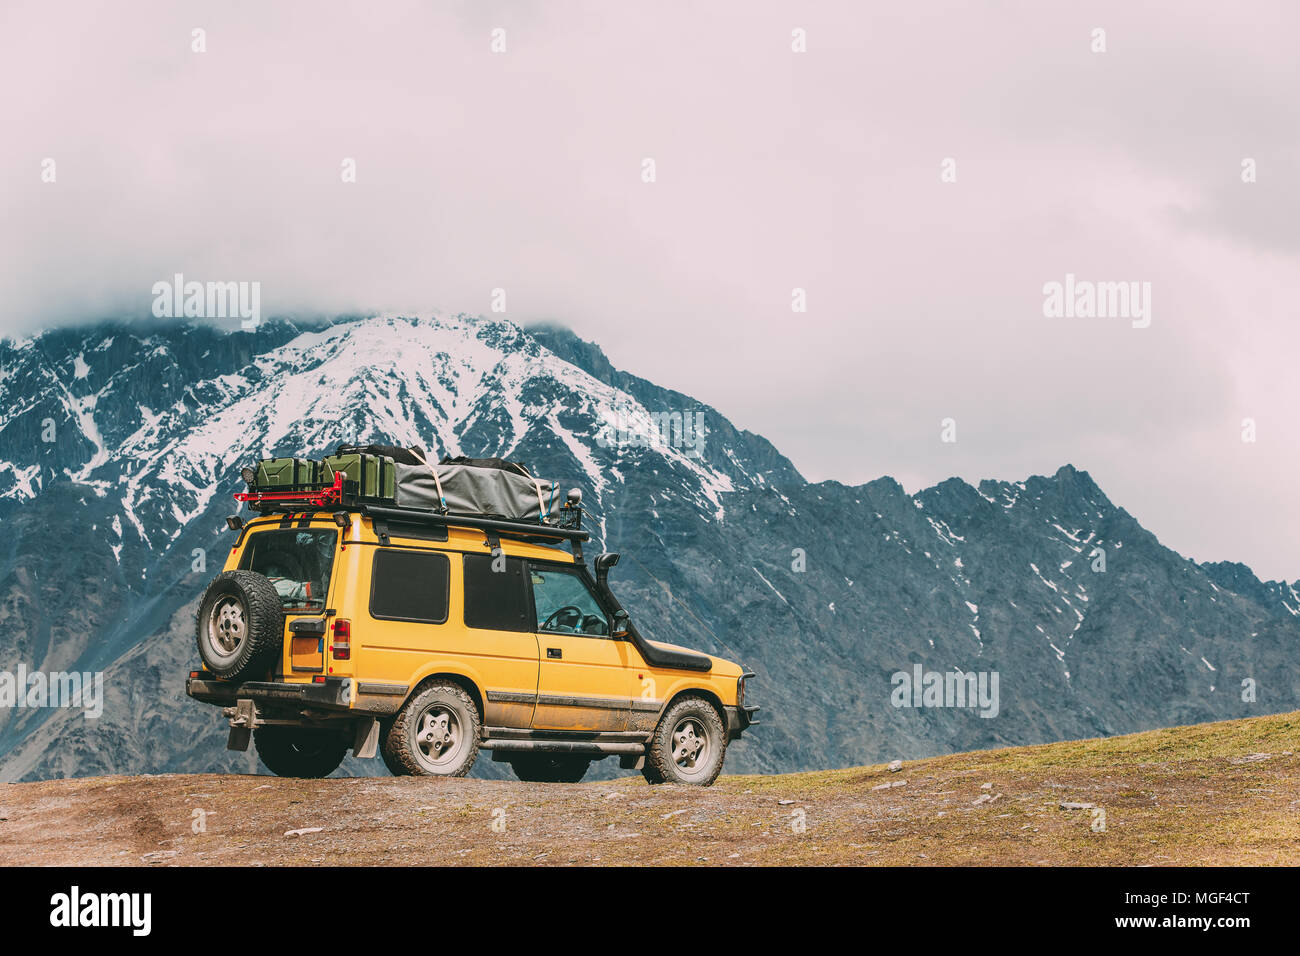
[688, 746]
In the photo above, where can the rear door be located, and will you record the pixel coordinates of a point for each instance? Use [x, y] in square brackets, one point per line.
[499, 629]
[452, 609]
[299, 561]
[585, 679]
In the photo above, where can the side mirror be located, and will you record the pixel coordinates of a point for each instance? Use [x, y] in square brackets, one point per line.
[620, 622]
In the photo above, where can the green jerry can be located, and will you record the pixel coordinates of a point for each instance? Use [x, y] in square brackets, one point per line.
[285, 474]
[364, 476]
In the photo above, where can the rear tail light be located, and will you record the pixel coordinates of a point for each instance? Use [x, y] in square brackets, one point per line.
[341, 648]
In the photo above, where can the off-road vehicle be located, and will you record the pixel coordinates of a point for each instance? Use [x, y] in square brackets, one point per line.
[428, 637]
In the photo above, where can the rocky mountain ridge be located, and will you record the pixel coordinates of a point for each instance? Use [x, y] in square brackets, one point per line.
[120, 445]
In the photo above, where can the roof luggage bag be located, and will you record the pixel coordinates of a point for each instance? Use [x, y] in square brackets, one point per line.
[515, 467]
[470, 489]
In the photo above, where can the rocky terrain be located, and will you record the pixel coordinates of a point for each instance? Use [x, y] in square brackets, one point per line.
[120, 445]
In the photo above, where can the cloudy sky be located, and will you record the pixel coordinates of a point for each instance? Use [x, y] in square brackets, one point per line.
[774, 170]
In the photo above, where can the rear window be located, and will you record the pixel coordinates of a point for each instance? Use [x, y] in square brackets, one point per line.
[298, 562]
[409, 586]
[496, 600]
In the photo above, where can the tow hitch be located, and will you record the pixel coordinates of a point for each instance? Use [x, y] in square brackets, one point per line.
[243, 718]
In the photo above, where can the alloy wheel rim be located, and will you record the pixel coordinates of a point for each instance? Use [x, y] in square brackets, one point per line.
[438, 737]
[690, 747]
[227, 627]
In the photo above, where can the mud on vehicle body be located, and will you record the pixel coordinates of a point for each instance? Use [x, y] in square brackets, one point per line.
[424, 639]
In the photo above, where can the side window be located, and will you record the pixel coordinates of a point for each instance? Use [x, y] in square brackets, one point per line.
[565, 605]
[409, 586]
[496, 600]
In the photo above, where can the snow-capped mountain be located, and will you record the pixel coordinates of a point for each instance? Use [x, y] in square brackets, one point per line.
[120, 445]
[450, 384]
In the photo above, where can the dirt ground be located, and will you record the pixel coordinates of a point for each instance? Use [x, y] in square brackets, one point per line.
[1226, 793]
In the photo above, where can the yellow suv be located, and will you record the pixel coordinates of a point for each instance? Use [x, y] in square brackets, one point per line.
[427, 638]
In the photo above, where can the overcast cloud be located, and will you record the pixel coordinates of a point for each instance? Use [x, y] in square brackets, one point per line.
[775, 170]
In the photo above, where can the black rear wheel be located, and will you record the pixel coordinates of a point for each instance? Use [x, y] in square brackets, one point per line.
[435, 734]
[550, 768]
[395, 766]
[300, 751]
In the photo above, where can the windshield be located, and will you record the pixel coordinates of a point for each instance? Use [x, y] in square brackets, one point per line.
[298, 563]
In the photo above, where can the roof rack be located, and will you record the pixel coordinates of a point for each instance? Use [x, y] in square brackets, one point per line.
[333, 497]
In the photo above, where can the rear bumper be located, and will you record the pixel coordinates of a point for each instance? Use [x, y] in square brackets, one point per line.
[334, 694]
[740, 719]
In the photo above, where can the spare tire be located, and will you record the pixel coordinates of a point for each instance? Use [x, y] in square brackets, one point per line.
[240, 625]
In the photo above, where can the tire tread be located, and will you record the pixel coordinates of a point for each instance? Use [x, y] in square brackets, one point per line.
[265, 623]
[397, 741]
[659, 764]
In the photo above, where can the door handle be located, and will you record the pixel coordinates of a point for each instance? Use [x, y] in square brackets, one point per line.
[554, 652]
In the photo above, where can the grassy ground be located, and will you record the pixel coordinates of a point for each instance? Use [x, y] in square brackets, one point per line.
[1225, 793]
